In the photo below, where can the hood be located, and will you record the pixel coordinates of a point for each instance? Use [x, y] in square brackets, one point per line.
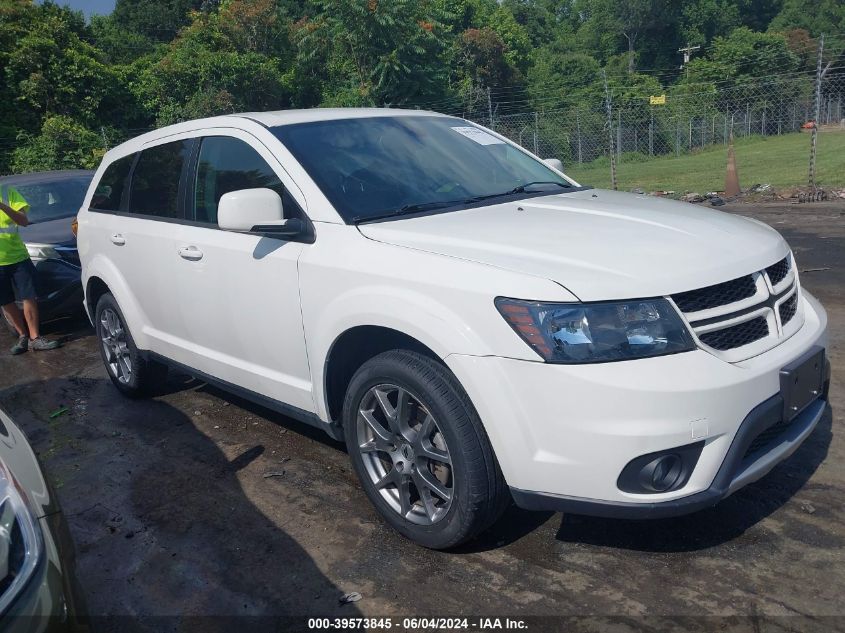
[598, 244]
[49, 232]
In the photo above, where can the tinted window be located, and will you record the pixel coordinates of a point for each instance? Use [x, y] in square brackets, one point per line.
[110, 188]
[155, 181]
[53, 199]
[371, 167]
[229, 164]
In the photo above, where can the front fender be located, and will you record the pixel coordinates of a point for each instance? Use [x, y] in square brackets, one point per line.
[447, 304]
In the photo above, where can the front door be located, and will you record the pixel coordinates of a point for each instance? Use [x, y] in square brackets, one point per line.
[239, 293]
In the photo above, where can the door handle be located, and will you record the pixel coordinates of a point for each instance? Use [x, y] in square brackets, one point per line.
[118, 239]
[191, 253]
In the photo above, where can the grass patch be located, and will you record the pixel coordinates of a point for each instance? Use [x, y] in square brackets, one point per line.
[782, 161]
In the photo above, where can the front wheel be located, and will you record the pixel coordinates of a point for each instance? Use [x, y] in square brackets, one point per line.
[420, 450]
[130, 372]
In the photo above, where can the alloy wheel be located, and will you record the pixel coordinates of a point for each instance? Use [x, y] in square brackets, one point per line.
[405, 454]
[113, 339]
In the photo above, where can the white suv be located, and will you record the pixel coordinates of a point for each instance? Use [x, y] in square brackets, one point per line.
[474, 324]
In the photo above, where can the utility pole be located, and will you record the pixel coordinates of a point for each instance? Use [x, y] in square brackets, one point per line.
[609, 105]
[817, 98]
[687, 51]
[490, 107]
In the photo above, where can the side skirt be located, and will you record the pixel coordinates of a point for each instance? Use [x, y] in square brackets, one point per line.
[306, 417]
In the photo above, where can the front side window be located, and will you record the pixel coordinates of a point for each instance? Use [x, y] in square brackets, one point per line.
[228, 164]
[110, 188]
[155, 181]
[382, 166]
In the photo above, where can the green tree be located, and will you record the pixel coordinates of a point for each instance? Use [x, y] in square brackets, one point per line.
[375, 51]
[118, 44]
[53, 69]
[815, 16]
[157, 20]
[62, 144]
[225, 61]
[560, 80]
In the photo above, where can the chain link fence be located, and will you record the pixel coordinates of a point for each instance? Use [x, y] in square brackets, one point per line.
[694, 117]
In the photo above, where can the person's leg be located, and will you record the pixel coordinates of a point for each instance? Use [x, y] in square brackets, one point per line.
[16, 318]
[30, 312]
[11, 310]
[23, 277]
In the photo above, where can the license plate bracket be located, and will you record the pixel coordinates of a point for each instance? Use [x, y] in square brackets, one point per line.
[801, 382]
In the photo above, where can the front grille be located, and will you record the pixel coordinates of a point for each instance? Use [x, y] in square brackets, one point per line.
[715, 296]
[788, 309]
[736, 335]
[778, 272]
[766, 437]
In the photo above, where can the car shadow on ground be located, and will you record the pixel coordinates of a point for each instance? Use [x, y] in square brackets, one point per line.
[164, 527]
[714, 526]
[178, 381]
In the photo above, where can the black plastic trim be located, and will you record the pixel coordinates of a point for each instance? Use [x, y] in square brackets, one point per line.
[629, 479]
[768, 302]
[306, 417]
[761, 417]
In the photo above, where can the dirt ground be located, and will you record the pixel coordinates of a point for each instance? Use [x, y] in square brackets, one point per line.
[196, 503]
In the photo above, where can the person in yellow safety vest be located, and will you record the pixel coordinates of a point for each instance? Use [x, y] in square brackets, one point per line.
[17, 274]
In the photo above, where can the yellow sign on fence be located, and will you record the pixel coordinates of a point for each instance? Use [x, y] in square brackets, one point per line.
[657, 100]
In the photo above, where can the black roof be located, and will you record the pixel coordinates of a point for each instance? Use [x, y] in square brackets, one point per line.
[46, 176]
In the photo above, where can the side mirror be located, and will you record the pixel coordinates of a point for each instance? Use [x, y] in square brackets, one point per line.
[243, 209]
[256, 211]
[554, 163]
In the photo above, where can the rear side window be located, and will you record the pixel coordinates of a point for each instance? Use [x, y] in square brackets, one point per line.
[109, 190]
[155, 181]
[229, 164]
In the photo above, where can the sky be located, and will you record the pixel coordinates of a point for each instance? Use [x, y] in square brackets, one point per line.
[90, 7]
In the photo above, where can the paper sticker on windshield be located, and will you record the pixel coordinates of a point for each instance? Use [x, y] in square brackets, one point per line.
[479, 136]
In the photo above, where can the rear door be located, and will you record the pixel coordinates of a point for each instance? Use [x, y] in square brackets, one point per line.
[142, 242]
[238, 294]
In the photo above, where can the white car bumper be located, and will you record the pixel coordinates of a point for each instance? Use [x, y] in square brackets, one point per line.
[563, 434]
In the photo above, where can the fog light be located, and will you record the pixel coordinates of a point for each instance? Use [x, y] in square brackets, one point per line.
[662, 471]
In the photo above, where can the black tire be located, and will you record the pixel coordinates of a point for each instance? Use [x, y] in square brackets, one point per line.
[478, 495]
[146, 376]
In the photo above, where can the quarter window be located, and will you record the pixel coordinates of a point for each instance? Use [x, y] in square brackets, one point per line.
[229, 164]
[155, 181]
[109, 190]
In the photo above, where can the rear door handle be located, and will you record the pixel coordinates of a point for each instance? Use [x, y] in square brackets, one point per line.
[190, 252]
[118, 239]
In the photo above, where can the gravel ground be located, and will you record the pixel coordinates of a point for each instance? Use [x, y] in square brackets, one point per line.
[197, 503]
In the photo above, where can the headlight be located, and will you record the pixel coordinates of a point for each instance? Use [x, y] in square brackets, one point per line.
[40, 252]
[598, 332]
[21, 541]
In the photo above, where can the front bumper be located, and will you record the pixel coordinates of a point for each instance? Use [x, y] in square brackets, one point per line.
[51, 601]
[564, 433]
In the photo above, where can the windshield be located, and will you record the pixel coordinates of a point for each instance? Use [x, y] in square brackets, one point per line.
[383, 166]
[53, 199]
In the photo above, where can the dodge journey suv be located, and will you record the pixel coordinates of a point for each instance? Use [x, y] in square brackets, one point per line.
[475, 325]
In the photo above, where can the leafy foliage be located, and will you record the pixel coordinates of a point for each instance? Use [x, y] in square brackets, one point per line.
[62, 144]
[71, 88]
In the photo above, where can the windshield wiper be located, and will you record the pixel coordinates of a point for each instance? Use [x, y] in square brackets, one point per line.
[522, 188]
[440, 204]
[410, 208]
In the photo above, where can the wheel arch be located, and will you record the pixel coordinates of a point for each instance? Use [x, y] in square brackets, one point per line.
[95, 288]
[351, 349]
[102, 276]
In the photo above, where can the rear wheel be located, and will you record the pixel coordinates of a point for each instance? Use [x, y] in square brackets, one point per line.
[420, 450]
[129, 371]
